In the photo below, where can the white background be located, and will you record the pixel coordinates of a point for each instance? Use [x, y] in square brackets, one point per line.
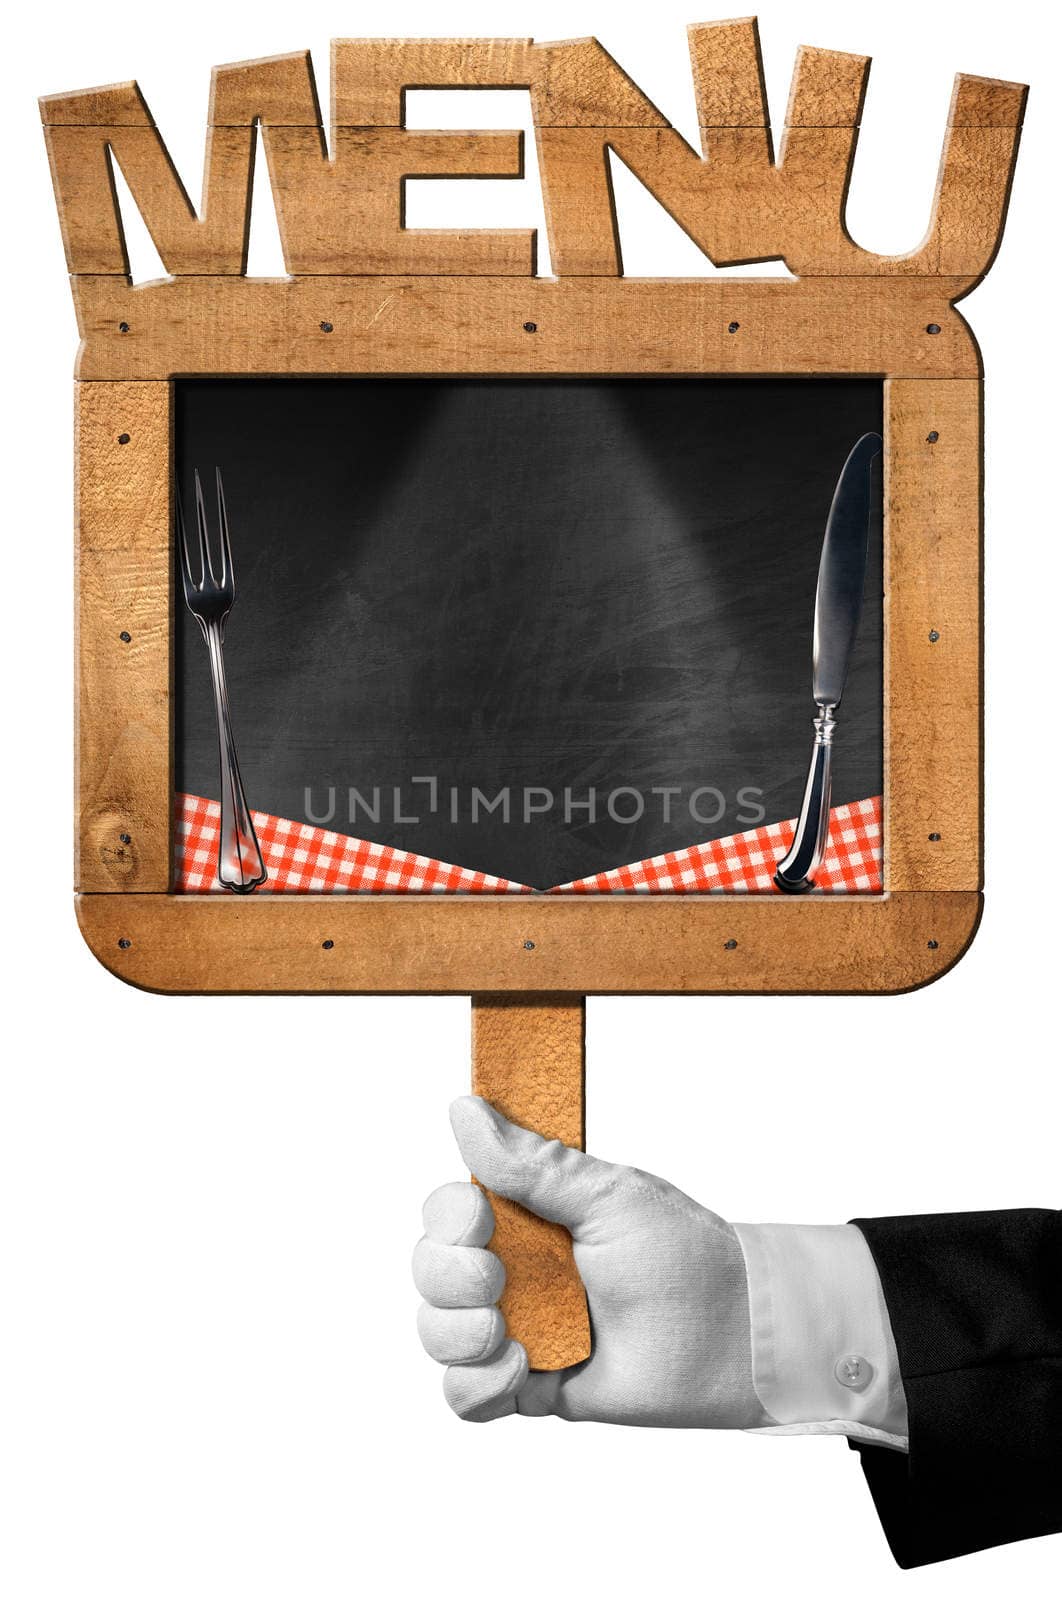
[212, 1384]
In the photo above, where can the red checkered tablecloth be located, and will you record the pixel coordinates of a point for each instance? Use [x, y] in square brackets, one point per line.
[745, 863]
[301, 859]
[304, 860]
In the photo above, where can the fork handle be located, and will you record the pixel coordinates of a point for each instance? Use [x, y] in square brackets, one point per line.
[240, 865]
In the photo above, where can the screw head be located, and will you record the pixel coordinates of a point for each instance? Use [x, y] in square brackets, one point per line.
[731, 944]
[932, 945]
[933, 327]
[934, 838]
[326, 327]
[123, 327]
[733, 327]
[328, 944]
[529, 944]
[931, 438]
[530, 327]
[123, 438]
[126, 638]
[933, 635]
[125, 838]
[124, 944]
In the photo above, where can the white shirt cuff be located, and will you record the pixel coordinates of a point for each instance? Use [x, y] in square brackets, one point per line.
[823, 1356]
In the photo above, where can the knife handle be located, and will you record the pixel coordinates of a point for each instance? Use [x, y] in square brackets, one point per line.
[796, 871]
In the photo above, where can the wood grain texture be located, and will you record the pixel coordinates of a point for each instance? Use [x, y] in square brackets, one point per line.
[370, 76]
[728, 74]
[82, 170]
[123, 776]
[827, 90]
[853, 312]
[112, 106]
[471, 324]
[970, 203]
[933, 587]
[442, 944]
[738, 206]
[343, 216]
[789, 211]
[346, 214]
[528, 1058]
[576, 83]
[573, 83]
[578, 201]
[277, 91]
[987, 103]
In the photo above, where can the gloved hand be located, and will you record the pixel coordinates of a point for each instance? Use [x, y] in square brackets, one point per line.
[665, 1280]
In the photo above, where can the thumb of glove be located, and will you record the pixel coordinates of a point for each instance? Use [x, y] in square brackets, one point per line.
[552, 1179]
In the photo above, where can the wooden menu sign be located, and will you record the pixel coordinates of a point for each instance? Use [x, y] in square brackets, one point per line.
[519, 662]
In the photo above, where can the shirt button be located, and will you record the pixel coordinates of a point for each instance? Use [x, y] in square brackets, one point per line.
[854, 1372]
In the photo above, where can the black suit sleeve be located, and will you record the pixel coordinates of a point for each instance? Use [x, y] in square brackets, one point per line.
[975, 1302]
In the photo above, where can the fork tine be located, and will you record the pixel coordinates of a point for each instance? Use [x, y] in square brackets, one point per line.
[223, 522]
[182, 534]
[200, 517]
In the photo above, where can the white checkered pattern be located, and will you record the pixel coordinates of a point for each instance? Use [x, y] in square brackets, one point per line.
[301, 859]
[745, 863]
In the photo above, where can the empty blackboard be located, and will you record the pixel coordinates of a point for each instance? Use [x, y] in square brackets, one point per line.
[535, 627]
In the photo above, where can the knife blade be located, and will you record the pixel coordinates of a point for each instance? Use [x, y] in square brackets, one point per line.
[838, 606]
[842, 573]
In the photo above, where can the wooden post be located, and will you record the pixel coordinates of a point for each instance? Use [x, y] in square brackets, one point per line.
[528, 1059]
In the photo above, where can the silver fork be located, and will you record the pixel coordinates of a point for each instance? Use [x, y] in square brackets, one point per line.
[209, 598]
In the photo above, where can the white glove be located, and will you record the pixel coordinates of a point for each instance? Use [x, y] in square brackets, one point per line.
[664, 1278]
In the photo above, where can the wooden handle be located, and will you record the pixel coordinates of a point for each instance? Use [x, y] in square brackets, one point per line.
[528, 1056]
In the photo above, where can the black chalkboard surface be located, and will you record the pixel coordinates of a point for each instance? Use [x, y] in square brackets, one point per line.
[534, 627]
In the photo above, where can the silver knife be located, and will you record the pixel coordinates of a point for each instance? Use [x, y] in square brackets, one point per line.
[838, 604]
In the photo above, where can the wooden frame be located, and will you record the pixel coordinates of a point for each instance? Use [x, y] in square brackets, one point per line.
[929, 911]
[368, 296]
